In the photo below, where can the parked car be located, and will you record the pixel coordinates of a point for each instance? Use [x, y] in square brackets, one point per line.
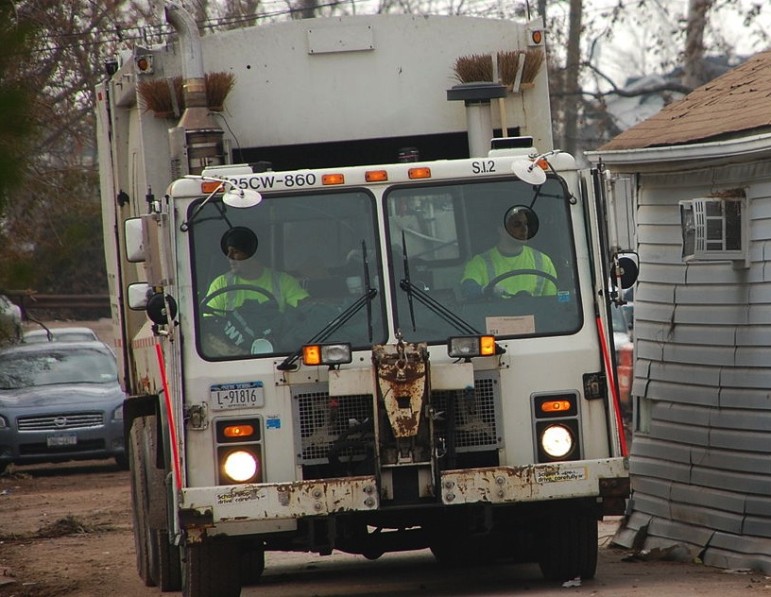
[622, 339]
[628, 307]
[66, 334]
[60, 401]
[10, 321]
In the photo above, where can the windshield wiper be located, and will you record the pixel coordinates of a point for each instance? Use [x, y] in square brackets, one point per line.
[332, 327]
[431, 303]
[365, 300]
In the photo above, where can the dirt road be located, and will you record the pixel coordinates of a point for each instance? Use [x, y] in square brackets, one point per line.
[66, 530]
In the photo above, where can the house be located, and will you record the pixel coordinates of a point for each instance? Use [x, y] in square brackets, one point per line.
[700, 174]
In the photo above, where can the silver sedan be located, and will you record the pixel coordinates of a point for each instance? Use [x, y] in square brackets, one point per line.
[58, 402]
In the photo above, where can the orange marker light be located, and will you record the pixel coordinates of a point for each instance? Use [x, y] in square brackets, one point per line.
[537, 36]
[210, 186]
[333, 179]
[487, 346]
[419, 173]
[238, 431]
[312, 354]
[555, 406]
[376, 176]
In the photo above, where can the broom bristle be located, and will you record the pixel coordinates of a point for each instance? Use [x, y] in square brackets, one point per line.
[533, 61]
[508, 64]
[218, 85]
[155, 94]
[476, 67]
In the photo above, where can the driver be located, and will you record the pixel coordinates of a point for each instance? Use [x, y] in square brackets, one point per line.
[246, 270]
[510, 254]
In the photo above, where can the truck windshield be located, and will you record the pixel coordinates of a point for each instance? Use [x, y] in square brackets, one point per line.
[451, 244]
[270, 277]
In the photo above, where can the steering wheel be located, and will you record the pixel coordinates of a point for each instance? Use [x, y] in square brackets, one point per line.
[208, 309]
[488, 290]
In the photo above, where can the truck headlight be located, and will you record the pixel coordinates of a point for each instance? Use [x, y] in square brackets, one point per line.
[240, 465]
[557, 441]
[466, 347]
[239, 451]
[327, 354]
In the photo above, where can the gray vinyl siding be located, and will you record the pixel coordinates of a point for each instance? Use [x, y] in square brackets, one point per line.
[701, 473]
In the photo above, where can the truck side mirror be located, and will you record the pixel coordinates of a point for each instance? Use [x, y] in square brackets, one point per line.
[627, 271]
[135, 246]
[139, 294]
[161, 308]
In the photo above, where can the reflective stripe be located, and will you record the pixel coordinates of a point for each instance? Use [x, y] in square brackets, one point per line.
[540, 281]
[489, 265]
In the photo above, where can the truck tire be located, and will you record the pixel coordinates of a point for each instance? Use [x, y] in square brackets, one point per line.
[568, 547]
[211, 569]
[169, 569]
[163, 557]
[138, 501]
[252, 565]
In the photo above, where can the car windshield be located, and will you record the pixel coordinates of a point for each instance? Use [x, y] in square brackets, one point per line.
[23, 369]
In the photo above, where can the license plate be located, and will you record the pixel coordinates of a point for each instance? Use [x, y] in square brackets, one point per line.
[58, 441]
[250, 394]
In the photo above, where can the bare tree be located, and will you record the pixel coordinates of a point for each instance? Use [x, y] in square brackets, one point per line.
[693, 55]
[51, 231]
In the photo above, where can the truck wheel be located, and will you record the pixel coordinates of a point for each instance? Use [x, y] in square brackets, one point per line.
[156, 518]
[211, 568]
[169, 569]
[138, 501]
[252, 565]
[568, 547]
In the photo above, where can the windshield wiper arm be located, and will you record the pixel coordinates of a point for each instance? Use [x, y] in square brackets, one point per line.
[331, 327]
[424, 298]
[427, 300]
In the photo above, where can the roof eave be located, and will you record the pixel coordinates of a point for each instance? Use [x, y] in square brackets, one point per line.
[678, 155]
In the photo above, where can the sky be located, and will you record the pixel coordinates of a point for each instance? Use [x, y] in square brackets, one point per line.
[630, 51]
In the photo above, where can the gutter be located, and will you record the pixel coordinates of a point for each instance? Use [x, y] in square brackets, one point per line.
[724, 151]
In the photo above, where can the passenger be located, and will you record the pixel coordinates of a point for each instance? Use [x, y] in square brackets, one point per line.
[517, 267]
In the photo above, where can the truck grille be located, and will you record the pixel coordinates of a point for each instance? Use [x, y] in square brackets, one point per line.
[475, 415]
[60, 422]
[321, 420]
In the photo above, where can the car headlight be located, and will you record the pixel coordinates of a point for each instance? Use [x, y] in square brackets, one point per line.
[3, 423]
[117, 414]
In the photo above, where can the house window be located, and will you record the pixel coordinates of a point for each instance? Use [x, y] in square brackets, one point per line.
[714, 228]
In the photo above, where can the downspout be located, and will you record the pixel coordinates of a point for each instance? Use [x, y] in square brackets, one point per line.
[197, 136]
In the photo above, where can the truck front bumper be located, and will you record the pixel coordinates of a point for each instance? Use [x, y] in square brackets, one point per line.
[606, 479]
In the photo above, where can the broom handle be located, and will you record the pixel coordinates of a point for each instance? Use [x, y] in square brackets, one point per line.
[501, 100]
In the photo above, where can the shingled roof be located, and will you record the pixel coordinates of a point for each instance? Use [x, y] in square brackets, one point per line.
[733, 104]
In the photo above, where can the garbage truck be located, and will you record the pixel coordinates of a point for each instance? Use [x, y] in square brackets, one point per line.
[360, 301]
